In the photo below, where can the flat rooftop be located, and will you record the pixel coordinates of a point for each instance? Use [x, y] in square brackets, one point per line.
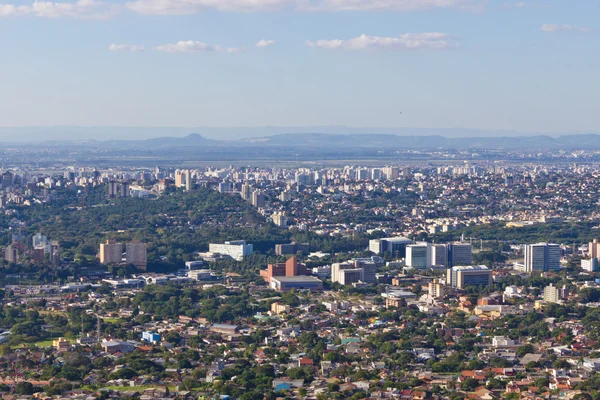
[299, 278]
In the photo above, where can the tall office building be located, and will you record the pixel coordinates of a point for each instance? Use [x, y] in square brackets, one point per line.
[135, 254]
[542, 257]
[336, 268]
[460, 254]
[395, 246]
[291, 248]
[461, 277]
[418, 256]
[439, 254]
[360, 269]
[111, 252]
[349, 276]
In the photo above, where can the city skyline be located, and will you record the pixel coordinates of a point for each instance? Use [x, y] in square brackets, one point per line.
[492, 65]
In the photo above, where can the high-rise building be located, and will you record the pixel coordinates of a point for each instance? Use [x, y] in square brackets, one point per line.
[39, 240]
[111, 252]
[11, 253]
[112, 189]
[349, 276]
[594, 249]
[362, 174]
[460, 254]
[395, 246]
[246, 191]
[135, 254]
[188, 180]
[436, 289]
[258, 199]
[118, 189]
[554, 294]
[225, 187]
[418, 256]
[461, 277]
[124, 189]
[590, 265]
[336, 268]
[366, 269]
[179, 178]
[391, 173]
[285, 196]
[54, 253]
[291, 248]
[542, 257]
[280, 219]
[439, 254]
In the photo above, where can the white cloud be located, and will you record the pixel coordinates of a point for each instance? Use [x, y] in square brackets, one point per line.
[48, 9]
[191, 46]
[235, 49]
[175, 7]
[428, 40]
[386, 5]
[133, 48]
[265, 43]
[187, 46]
[565, 28]
[7, 10]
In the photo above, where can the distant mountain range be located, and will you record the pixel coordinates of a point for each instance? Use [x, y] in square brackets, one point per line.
[333, 142]
[104, 133]
[385, 141]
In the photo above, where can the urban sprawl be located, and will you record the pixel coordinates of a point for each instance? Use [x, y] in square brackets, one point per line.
[476, 280]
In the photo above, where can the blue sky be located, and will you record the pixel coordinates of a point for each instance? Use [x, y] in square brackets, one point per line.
[529, 66]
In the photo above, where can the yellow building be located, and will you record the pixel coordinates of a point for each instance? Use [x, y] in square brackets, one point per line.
[61, 345]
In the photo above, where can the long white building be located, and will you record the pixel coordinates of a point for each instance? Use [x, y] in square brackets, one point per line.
[236, 249]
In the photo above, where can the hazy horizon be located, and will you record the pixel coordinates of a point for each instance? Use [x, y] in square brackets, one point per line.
[103, 133]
